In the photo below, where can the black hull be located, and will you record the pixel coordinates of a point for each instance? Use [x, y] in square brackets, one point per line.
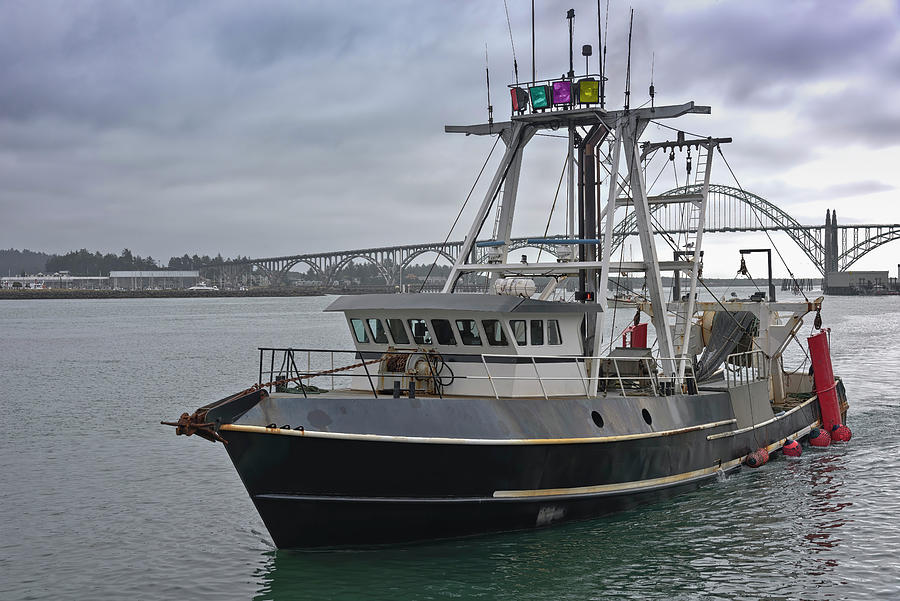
[312, 491]
[307, 522]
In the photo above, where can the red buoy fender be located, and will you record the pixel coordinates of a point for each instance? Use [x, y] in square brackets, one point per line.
[819, 438]
[824, 380]
[841, 433]
[757, 458]
[792, 449]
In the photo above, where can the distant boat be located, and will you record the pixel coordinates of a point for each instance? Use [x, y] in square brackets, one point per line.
[203, 287]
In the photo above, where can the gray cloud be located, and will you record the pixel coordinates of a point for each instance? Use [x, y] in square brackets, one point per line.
[279, 127]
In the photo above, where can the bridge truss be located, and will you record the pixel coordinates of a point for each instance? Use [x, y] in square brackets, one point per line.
[728, 210]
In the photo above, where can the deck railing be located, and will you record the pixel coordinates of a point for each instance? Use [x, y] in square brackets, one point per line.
[280, 367]
[745, 368]
[627, 380]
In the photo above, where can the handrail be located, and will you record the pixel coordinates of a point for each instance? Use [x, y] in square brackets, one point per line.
[749, 366]
[289, 372]
[652, 377]
[648, 377]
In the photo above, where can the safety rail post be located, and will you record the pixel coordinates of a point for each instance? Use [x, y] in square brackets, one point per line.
[490, 379]
[650, 375]
[260, 382]
[582, 373]
[619, 376]
[332, 369]
[368, 376]
[293, 363]
[540, 381]
[271, 369]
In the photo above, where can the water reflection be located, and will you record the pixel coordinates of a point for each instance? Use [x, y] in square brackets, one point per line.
[726, 540]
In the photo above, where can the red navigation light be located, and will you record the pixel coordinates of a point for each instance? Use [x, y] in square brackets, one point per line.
[519, 99]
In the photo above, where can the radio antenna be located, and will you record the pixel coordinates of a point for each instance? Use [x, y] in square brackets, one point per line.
[533, 77]
[628, 67]
[599, 41]
[603, 57]
[570, 15]
[652, 88]
[511, 43]
[487, 76]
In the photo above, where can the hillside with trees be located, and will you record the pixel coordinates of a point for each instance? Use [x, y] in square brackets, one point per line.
[84, 262]
[18, 262]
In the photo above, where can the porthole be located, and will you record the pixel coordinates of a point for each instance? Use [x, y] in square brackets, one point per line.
[647, 417]
[598, 419]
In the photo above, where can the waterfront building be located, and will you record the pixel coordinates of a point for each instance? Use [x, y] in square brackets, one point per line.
[147, 280]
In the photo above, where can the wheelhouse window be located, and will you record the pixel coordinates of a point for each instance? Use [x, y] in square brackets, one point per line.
[537, 332]
[519, 331]
[493, 331]
[468, 332]
[359, 330]
[419, 331]
[398, 332]
[443, 332]
[553, 335]
[378, 331]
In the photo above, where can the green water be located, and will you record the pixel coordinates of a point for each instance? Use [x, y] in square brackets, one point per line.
[98, 501]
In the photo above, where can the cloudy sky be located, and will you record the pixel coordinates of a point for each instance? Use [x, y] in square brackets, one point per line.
[278, 127]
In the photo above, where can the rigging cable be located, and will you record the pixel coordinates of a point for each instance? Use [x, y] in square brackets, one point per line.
[756, 214]
[458, 215]
[752, 209]
[511, 43]
[555, 197]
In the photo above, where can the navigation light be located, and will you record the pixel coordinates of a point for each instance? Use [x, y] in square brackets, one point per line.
[588, 91]
[562, 92]
[540, 97]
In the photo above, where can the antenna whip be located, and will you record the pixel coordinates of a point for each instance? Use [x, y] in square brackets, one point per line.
[533, 77]
[628, 67]
[511, 43]
[603, 62]
[487, 75]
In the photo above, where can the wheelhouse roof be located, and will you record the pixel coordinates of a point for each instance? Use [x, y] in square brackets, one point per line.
[489, 303]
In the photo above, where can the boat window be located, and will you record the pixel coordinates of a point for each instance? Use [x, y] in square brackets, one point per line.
[537, 332]
[553, 335]
[493, 331]
[359, 330]
[419, 331]
[442, 331]
[378, 331]
[398, 332]
[468, 332]
[518, 331]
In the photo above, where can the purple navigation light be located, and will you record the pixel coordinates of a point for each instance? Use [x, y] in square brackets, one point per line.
[562, 92]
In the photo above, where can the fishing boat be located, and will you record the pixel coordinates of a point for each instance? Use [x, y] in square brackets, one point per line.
[457, 414]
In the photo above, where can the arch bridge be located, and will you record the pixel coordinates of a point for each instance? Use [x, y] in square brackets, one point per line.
[830, 247]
